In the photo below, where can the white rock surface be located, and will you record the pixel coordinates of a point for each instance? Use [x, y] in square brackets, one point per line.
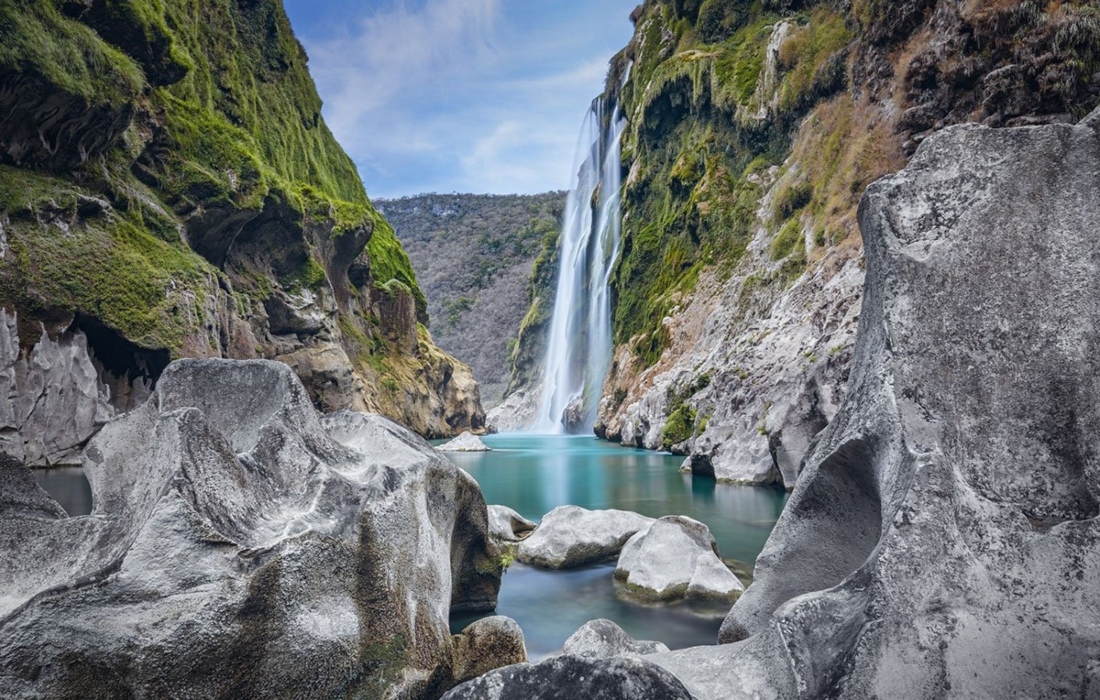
[603, 639]
[506, 525]
[466, 442]
[515, 412]
[676, 557]
[570, 536]
[241, 545]
[51, 399]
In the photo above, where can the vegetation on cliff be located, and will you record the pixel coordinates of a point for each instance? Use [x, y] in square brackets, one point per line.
[166, 171]
[753, 130]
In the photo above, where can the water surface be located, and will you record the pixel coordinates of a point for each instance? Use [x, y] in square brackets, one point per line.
[536, 473]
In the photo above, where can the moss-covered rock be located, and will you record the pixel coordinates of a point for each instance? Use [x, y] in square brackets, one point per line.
[753, 129]
[164, 170]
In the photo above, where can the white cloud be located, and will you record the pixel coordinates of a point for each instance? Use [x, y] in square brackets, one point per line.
[464, 95]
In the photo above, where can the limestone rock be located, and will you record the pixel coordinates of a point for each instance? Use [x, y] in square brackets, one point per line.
[570, 536]
[506, 525]
[51, 397]
[603, 639]
[572, 677]
[676, 557]
[942, 540]
[240, 545]
[466, 442]
[489, 643]
[515, 412]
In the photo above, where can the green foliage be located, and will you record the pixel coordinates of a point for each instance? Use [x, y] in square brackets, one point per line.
[679, 427]
[740, 62]
[717, 20]
[811, 60]
[388, 261]
[792, 199]
[789, 240]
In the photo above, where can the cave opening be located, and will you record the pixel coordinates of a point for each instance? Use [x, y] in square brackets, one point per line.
[128, 370]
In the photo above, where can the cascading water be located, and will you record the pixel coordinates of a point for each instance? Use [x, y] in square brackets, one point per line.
[579, 350]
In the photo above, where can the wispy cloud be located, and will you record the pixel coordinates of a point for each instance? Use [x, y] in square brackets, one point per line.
[463, 95]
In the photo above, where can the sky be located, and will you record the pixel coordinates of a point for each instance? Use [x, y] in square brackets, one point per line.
[478, 96]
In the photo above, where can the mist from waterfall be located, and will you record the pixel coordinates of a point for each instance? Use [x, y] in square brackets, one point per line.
[579, 341]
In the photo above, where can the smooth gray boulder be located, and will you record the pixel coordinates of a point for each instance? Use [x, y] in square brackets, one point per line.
[571, 536]
[506, 525]
[573, 677]
[486, 644]
[466, 442]
[603, 639]
[242, 545]
[942, 540]
[676, 557]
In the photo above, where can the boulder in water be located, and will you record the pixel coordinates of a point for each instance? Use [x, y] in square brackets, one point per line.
[676, 557]
[466, 442]
[603, 639]
[242, 545]
[571, 536]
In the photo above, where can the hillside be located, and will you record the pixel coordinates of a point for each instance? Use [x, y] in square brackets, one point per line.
[474, 256]
[753, 129]
[169, 189]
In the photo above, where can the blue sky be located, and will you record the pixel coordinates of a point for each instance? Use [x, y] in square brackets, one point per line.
[483, 96]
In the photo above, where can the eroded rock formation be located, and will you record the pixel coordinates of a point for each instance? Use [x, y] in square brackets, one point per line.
[242, 545]
[942, 540]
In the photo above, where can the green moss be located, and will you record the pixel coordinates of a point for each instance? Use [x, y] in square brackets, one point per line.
[311, 275]
[106, 267]
[36, 38]
[679, 427]
[740, 62]
[810, 59]
[389, 261]
[789, 240]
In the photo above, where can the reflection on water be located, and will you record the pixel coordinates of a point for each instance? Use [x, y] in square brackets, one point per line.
[536, 473]
[68, 486]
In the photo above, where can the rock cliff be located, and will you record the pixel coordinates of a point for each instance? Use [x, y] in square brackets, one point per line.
[168, 189]
[752, 131]
[243, 545]
[478, 259]
[942, 540]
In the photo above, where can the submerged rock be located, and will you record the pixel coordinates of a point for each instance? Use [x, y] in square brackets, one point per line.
[943, 540]
[466, 442]
[603, 639]
[572, 677]
[676, 557]
[241, 545]
[506, 525]
[570, 536]
[489, 643]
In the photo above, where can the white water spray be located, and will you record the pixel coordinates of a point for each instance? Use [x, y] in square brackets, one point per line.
[579, 351]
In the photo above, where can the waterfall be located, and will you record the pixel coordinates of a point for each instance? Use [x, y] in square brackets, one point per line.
[579, 349]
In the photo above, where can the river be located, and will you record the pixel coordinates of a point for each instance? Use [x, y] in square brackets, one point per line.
[535, 473]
